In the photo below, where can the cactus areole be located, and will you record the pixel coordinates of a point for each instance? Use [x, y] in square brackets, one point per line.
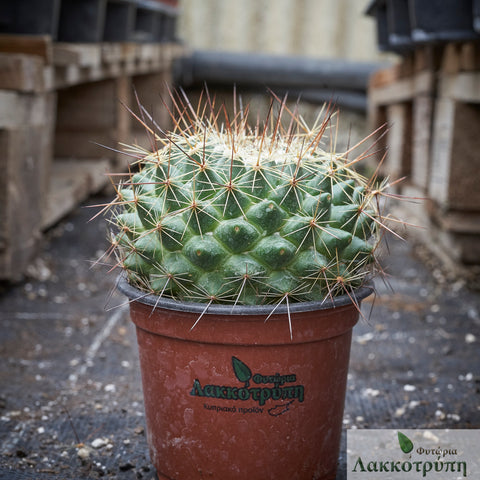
[221, 212]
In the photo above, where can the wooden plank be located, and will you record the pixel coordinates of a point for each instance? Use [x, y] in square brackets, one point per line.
[463, 86]
[398, 163]
[397, 92]
[442, 141]
[129, 51]
[421, 139]
[112, 52]
[71, 64]
[89, 114]
[459, 221]
[124, 120]
[402, 90]
[87, 107]
[460, 57]
[424, 83]
[463, 189]
[11, 114]
[462, 248]
[24, 73]
[451, 59]
[376, 118]
[74, 65]
[73, 181]
[428, 58]
[82, 55]
[470, 57]
[26, 151]
[383, 77]
[455, 162]
[19, 109]
[38, 45]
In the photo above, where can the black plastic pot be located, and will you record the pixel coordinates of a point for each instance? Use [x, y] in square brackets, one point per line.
[442, 20]
[82, 21]
[154, 22]
[476, 15]
[33, 17]
[378, 10]
[119, 21]
[399, 30]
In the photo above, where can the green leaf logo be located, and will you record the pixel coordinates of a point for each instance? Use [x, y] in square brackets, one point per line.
[405, 443]
[242, 372]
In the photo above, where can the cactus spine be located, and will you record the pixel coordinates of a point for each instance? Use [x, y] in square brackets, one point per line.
[225, 213]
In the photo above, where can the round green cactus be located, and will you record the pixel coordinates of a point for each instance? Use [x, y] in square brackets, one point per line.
[223, 213]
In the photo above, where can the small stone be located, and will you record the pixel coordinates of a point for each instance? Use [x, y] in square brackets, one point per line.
[409, 388]
[363, 339]
[454, 417]
[413, 404]
[440, 415]
[99, 442]
[371, 392]
[400, 412]
[470, 338]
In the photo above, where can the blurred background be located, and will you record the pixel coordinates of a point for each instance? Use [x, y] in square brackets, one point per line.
[317, 29]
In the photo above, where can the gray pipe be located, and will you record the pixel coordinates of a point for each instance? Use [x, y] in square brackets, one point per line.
[255, 70]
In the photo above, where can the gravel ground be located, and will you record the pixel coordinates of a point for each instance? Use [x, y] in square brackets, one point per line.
[70, 394]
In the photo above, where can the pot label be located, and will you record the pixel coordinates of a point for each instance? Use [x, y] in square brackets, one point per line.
[258, 387]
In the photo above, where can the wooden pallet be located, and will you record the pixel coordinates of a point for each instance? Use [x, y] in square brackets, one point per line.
[58, 103]
[431, 102]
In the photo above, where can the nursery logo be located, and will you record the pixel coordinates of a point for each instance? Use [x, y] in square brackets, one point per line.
[258, 387]
[412, 454]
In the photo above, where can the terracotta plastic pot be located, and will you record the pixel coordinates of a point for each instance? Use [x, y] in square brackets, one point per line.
[236, 397]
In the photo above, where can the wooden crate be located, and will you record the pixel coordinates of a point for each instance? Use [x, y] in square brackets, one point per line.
[402, 97]
[455, 161]
[90, 115]
[57, 101]
[437, 92]
[26, 123]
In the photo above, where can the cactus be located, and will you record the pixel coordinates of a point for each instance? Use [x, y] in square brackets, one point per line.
[221, 212]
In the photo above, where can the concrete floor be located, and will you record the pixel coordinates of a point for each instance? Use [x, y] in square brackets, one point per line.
[70, 394]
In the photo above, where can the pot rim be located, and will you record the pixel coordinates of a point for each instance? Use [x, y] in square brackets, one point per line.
[136, 295]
